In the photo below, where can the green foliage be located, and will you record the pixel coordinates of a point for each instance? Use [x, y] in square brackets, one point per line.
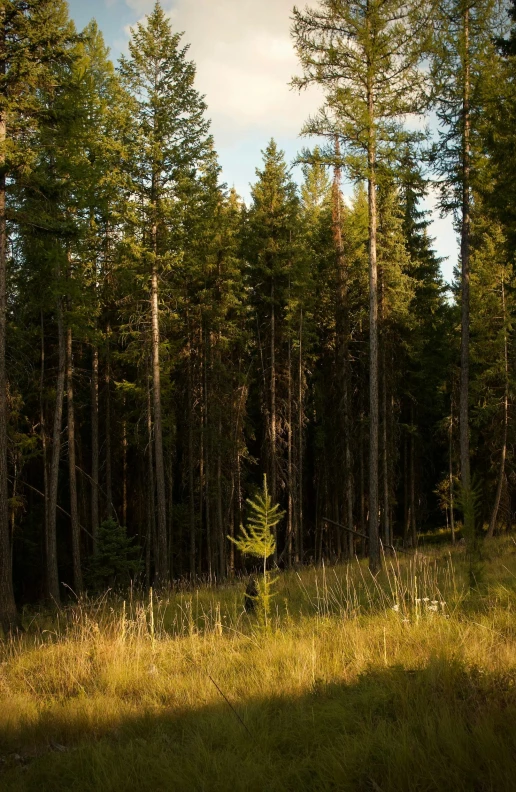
[116, 563]
[259, 540]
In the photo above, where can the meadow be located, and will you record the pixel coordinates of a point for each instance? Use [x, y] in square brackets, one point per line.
[401, 683]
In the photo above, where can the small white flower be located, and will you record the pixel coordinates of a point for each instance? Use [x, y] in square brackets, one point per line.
[442, 604]
[418, 601]
[435, 602]
[432, 607]
[426, 599]
[396, 608]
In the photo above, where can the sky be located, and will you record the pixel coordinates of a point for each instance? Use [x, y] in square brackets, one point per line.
[245, 61]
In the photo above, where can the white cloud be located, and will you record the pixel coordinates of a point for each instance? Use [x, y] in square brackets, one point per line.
[245, 60]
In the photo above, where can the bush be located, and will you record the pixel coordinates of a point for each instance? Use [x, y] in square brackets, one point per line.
[116, 561]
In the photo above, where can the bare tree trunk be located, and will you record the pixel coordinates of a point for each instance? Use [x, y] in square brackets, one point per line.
[72, 469]
[191, 462]
[374, 534]
[450, 454]
[95, 445]
[342, 326]
[51, 543]
[290, 486]
[362, 484]
[220, 519]
[43, 429]
[413, 483]
[501, 477]
[385, 457]
[162, 568]
[124, 471]
[8, 612]
[300, 525]
[109, 481]
[465, 248]
[273, 427]
[151, 513]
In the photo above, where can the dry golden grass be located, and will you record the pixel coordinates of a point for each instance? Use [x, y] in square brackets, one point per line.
[400, 683]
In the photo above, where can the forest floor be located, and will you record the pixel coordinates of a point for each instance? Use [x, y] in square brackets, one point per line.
[396, 684]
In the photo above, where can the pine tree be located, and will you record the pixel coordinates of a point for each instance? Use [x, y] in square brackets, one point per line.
[33, 36]
[171, 138]
[463, 51]
[366, 56]
[276, 279]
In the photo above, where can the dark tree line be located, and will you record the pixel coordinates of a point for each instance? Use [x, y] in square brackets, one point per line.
[162, 345]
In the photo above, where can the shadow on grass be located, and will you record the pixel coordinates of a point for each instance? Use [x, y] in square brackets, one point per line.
[441, 728]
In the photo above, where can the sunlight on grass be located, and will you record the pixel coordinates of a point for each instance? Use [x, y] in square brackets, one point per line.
[406, 681]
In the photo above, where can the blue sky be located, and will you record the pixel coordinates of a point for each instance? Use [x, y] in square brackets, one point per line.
[244, 60]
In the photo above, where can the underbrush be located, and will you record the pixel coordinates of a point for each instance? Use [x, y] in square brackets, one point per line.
[404, 682]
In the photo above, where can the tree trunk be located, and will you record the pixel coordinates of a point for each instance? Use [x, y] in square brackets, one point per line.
[43, 430]
[412, 512]
[95, 446]
[124, 472]
[150, 547]
[290, 485]
[109, 481]
[342, 328]
[450, 454]
[8, 613]
[162, 566]
[300, 527]
[374, 534]
[191, 463]
[465, 246]
[273, 427]
[51, 543]
[498, 496]
[72, 469]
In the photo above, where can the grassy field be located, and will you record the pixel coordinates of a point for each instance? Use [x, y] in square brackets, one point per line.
[406, 682]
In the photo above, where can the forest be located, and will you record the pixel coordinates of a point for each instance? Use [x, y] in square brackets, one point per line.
[163, 344]
[257, 466]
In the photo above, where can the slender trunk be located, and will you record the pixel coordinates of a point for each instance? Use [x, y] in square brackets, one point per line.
[202, 441]
[150, 547]
[191, 463]
[43, 430]
[385, 457]
[8, 613]
[72, 469]
[498, 496]
[300, 528]
[342, 327]
[220, 518]
[162, 566]
[273, 409]
[51, 543]
[95, 445]
[363, 525]
[450, 455]
[465, 249]
[124, 471]
[412, 517]
[207, 475]
[290, 485]
[109, 484]
[374, 535]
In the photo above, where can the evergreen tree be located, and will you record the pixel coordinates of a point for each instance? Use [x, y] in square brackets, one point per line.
[171, 141]
[33, 36]
[366, 56]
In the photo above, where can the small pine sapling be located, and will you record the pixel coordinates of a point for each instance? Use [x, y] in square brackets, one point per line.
[258, 539]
